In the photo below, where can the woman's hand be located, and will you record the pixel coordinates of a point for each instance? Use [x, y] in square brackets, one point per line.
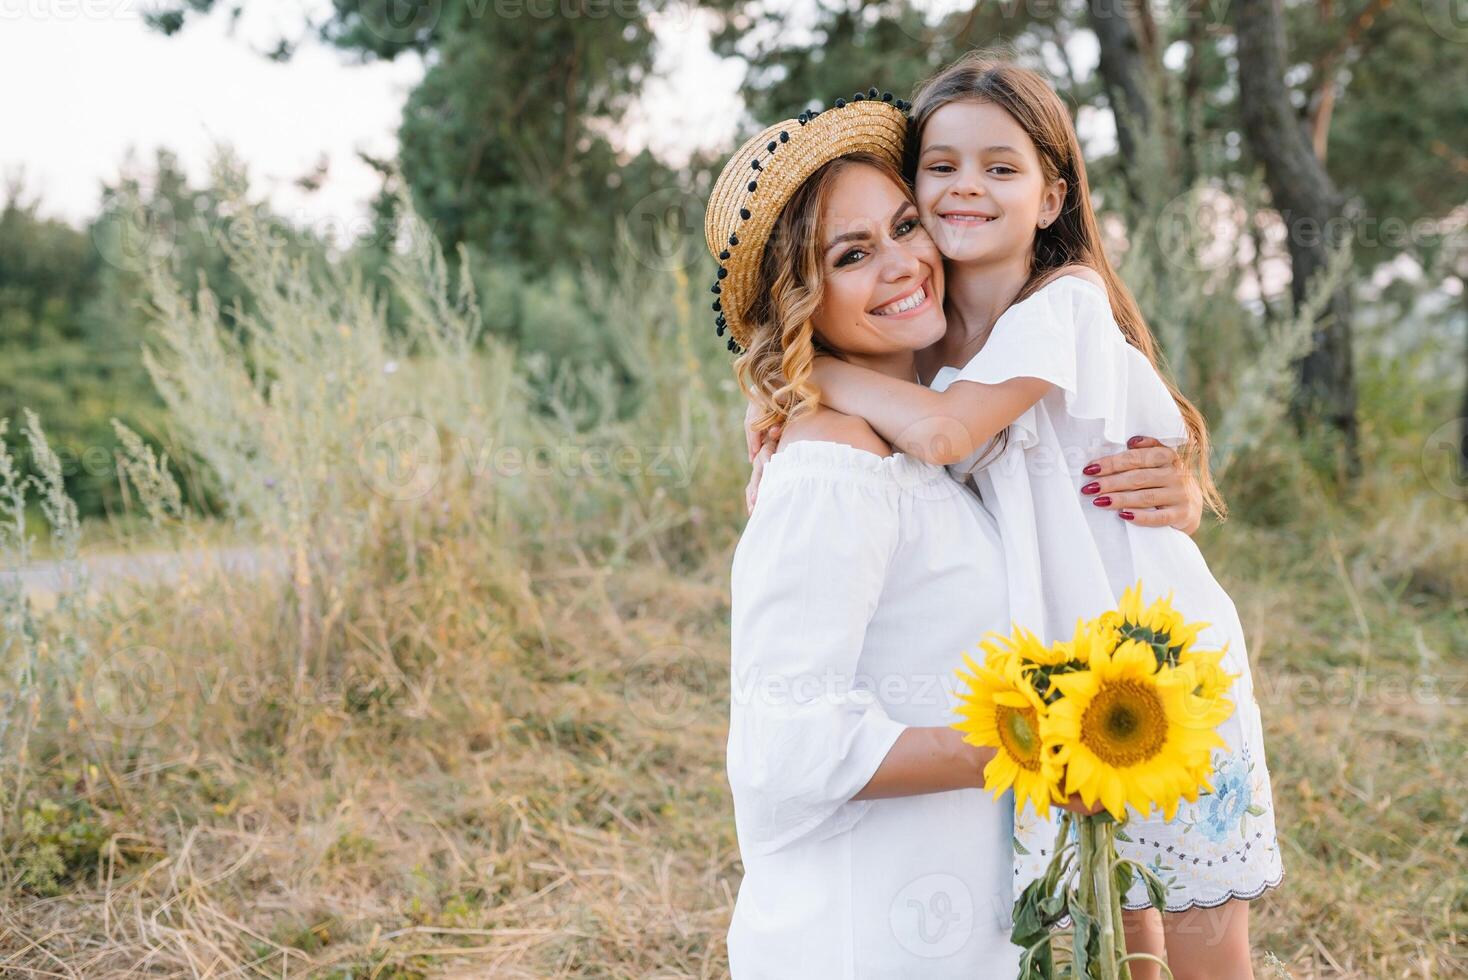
[1147, 485]
[761, 446]
[973, 759]
[1078, 806]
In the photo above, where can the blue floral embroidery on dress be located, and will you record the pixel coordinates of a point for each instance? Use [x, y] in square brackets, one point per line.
[1229, 802]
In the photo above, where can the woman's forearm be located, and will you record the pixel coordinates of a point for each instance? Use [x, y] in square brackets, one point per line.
[927, 760]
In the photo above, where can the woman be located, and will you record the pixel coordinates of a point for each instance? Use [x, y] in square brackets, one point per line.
[869, 847]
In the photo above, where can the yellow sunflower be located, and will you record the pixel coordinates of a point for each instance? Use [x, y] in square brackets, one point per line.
[1159, 622]
[1021, 646]
[1002, 711]
[1088, 639]
[1208, 700]
[1125, 734]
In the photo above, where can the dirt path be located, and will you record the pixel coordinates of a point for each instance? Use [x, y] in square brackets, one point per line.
[44, 579]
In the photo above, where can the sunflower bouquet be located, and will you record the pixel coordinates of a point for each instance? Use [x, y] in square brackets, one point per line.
[1124, 713]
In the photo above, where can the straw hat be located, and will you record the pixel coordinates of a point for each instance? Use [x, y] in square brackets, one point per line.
[759, 180]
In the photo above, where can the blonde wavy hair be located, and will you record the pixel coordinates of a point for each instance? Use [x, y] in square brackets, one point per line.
[775, 368]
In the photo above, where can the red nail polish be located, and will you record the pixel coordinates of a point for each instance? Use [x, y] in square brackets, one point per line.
[1132, 442]
[1092, 487]
[1126, 515]
[1101, 501]
[1092, 469]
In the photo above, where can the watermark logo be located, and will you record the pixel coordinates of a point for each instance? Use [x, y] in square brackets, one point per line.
[131, 235]
[667, 687]
[1448, 19]
[1199, 230]
[658, 229]
[401, 21]
[942, 21]
[135, 687]
[1442, 453]
[933, 916]
[401, 459]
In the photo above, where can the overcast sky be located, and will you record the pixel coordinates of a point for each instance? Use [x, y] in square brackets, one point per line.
[82, 82]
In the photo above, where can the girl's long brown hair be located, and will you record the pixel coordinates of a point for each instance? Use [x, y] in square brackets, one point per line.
[775, 368]
[1074, 237]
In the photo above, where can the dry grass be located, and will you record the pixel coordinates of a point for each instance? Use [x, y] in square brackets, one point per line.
[539, 790]
[539, 794]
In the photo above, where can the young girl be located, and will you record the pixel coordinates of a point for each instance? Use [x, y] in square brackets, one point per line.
[1058, 368]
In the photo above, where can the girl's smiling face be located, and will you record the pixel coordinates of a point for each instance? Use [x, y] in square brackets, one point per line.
[882, 287]
[980, 187]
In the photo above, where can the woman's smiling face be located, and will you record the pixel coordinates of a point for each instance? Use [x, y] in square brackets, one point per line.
[883, 276]
[979, 184]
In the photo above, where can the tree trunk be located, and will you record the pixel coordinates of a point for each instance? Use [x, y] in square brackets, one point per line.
[1463, 415]
[1192, 93]
[1124, 76]
[1311, 209]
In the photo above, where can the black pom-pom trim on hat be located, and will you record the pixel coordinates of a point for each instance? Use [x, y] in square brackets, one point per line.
[718, 306]
[721, 321]
[841, 103]
[784, 136]
[754, 164]
[733, 239]
[886, 96]
[872, 92]
[753, 186]
[723, 255]
[859, 97]
[715, 289]
[770, 147]
[744, 213]
[723, 272]
[719, 330]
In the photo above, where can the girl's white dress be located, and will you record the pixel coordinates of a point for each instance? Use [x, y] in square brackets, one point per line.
[856, 586]
[1068, 559]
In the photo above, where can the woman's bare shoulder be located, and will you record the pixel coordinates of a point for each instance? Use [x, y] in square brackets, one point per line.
[828, 425]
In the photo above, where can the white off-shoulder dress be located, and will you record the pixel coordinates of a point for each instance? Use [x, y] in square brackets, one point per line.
[857, 585]
[1068, 559]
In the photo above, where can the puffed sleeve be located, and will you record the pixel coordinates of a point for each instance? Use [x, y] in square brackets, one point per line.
[805, 733]
[1065, 334]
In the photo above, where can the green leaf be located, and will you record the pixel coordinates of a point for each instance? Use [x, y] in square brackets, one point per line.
[1037, 964]
[1254, 809]
[1087, 940]
[1156, 889]
[1029, 925]
[1123, 877]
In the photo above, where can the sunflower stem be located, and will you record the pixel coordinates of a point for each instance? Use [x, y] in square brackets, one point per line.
[1106, 899]
[1086, 896]
[1124, 971]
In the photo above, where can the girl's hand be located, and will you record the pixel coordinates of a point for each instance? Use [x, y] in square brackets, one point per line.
[755, 440]
[761, 446]
[1147, 485]
[752, 490]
